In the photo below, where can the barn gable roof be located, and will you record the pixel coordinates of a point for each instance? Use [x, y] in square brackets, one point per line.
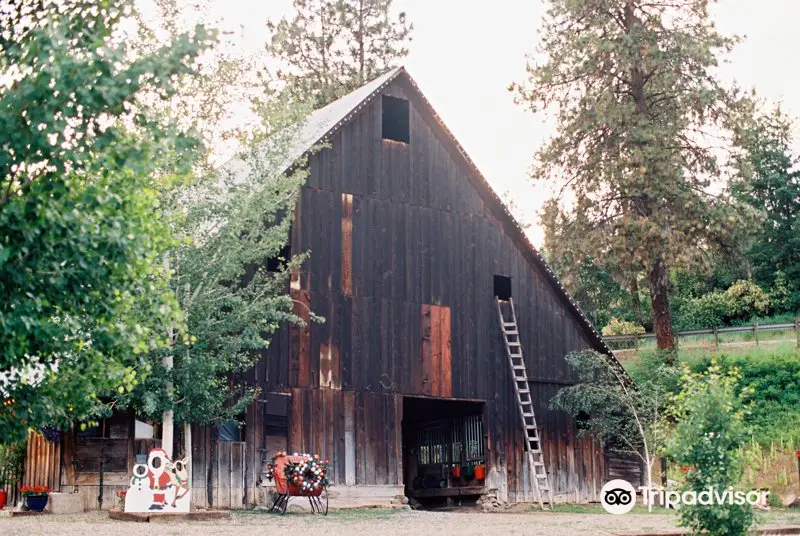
[324, 122]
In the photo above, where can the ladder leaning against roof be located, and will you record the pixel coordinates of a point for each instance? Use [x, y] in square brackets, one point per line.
[533, 446]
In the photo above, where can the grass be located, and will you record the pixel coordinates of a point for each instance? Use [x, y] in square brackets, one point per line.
[597, 509]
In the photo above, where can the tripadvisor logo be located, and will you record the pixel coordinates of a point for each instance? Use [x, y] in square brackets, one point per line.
[619, 497]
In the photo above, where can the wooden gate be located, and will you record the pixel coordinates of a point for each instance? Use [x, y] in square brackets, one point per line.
[227, 474]
[42, 462]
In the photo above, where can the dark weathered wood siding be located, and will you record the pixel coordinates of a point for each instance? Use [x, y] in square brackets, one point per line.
[404, 246]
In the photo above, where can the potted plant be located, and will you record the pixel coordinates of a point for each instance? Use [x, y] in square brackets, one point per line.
[35, 497]
[11, 458]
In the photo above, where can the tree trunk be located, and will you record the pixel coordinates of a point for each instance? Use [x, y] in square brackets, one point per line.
[167, 422]
[662, 320]
[187, 447]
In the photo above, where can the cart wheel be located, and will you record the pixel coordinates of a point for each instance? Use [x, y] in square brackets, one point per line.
[284, 503]
[322, 501]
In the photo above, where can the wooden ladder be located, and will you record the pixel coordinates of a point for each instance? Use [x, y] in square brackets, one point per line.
[533, 446]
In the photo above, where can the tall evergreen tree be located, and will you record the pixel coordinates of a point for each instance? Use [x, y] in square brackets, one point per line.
[770, 183]
[639, 111]
[330, 47]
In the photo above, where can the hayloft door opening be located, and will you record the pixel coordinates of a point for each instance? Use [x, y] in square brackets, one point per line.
[443, 450]
[395, 120]
[502, 287]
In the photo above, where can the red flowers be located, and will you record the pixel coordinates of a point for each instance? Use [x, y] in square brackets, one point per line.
[34, 490]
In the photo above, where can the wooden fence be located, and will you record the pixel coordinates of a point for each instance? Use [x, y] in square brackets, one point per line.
[632, 342]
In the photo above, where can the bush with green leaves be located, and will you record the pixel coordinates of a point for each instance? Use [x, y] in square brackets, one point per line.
[622, 327]
[707, 438]
[746, 300]
[773, 380]
[12, 456]
[708, 311]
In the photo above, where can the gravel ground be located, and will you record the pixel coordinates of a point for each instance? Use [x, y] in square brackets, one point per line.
[357, 522]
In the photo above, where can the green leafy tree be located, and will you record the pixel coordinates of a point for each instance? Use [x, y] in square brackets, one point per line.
[768, 182]
[81, 226]
[230, 277]
[594, 283]
[331, 47]
[709, 433]
[639, 112]
[626, 417]
[231, 225]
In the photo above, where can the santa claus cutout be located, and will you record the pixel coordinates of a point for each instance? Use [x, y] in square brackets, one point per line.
[160, 480]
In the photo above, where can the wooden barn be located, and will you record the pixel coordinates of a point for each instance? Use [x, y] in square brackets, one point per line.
[413, 385]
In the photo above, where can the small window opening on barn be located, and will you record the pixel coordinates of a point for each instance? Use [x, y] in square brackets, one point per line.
[502, 287]
[395, 119]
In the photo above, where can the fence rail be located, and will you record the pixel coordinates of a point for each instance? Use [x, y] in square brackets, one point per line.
[755, 329]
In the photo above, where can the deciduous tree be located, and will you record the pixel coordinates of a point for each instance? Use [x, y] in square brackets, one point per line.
[81, 228]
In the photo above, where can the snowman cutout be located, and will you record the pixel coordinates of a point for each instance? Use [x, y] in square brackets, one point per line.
[139, 495]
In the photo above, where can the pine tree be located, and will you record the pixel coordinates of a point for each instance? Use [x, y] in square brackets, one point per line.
[769, 182]
[330, 47]
[640, 115]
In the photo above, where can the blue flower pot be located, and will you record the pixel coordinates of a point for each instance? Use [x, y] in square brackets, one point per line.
[36, 503]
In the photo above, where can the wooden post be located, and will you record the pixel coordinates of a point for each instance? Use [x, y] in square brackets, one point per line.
[755, 330]
[716, 338]
[797, 331]
[167, 425]
[636, 343]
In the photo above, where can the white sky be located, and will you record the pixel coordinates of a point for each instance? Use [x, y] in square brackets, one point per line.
[465, 53]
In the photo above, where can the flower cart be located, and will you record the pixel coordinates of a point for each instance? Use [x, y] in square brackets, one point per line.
[298, 475]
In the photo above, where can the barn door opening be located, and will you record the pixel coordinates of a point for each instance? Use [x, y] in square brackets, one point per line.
[443, 450]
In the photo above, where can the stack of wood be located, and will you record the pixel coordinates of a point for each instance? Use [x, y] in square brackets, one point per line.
[489, 502]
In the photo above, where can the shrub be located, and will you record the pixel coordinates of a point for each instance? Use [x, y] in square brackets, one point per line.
[746, 300]
[11, 458]
[708, 311]
[710, 429]
[774, 383]
[622, 327]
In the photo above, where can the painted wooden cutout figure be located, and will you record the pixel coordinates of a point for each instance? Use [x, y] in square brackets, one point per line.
[179, 472]
[152, 485]
[139, 495]
[160, 480]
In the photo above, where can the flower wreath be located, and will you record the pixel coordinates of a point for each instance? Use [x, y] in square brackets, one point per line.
[308, 475]
[269, 472]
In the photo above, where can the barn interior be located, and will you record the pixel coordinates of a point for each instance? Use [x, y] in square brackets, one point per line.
[443, 450]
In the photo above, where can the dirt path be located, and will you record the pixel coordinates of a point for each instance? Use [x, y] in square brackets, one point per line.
[358, 522]
[351, 523]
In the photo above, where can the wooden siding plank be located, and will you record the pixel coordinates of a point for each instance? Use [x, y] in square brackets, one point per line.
[347, 244]
[446, 381]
